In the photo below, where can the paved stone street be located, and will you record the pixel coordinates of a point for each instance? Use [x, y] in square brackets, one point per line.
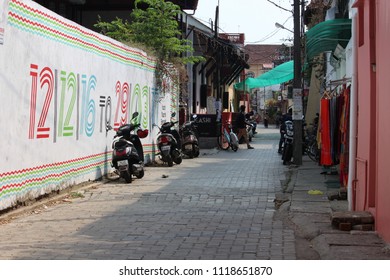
[218, 206]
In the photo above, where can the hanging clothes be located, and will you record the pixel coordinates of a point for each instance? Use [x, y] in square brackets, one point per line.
[340, 108]
[325, 133]
[344, 132]
[333, 127]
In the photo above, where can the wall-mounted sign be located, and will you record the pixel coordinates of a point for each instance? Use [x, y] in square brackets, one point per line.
[297, 101]
[207, 125]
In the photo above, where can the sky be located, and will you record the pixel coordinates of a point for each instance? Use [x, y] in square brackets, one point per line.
[255, 18]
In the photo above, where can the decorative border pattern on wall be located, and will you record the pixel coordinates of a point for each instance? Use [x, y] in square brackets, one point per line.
[35, 21]
[16, 185]
[66, 85]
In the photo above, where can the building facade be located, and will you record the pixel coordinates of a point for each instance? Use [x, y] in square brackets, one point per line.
[371, 191]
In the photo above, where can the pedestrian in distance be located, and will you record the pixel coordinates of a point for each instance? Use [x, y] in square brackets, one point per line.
[241, 126]
[266, 120]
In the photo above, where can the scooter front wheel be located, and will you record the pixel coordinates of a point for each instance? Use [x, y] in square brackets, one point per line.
[140, 174]
[127, 176]
[178, 160]
[176, 156]
[196, 151]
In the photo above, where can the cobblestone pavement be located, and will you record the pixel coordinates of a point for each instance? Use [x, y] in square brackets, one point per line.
[217, 206]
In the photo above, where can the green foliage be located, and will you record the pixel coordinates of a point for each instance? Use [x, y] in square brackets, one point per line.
[117, 29]
[155, 27]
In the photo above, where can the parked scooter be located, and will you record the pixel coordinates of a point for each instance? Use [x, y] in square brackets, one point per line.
[250, 119]
[189, 138]
[169, 143]
[288, 142]
[127, 154]
[249, 130]
[254, 126]
[250, 127]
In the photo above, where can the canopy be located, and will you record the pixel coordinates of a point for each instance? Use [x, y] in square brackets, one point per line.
[280, 74]
[326, 35]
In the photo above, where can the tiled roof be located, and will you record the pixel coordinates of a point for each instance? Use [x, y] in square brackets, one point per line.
[262, 54]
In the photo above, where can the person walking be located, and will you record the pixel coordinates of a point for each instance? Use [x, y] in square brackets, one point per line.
[266, 120]
[241, 126]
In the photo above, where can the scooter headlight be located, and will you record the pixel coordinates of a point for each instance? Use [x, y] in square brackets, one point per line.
[190, 138]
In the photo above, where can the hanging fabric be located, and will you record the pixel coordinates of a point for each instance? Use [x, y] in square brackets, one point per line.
[333, 126]
[340, 106]
[326, 154]
[344, 145]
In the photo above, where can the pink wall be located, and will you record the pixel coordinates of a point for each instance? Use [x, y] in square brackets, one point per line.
[383, 75]
[373, 151]
[365, 163]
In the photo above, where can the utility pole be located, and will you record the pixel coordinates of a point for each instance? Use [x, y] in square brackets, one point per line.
[219, 55]
[297, 84]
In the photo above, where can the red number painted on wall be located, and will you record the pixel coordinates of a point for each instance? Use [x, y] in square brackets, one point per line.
[46, 80]
[121, 113]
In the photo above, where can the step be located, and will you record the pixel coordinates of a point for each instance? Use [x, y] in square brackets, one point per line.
[348, 220]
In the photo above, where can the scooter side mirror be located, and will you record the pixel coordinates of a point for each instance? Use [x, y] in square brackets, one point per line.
[135, 114]
[108, 127]
[173, 114]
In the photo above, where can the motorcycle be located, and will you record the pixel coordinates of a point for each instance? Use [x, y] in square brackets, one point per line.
[169, 143]
[190, 143]
[310, 145]
[127, 154]
[288, 142]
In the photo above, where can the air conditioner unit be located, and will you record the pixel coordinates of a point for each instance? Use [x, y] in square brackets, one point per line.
[339, 52]
[334, 62]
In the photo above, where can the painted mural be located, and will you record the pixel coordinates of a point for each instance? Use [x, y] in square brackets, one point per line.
[61, 87]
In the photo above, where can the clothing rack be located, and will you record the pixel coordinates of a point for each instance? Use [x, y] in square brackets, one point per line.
[335, 84]
[334, 108]
[339, 81]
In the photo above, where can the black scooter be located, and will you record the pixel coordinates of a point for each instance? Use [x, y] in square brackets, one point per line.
[169, 143]
[127, 154]
[189, 138]
[288, 142]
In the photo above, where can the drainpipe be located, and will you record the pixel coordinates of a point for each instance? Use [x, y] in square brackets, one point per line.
[353, 114]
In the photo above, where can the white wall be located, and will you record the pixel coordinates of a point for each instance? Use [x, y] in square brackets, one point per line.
[60, 85]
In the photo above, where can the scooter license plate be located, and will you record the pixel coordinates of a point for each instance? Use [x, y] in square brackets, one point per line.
[188, 147]
[165, 148]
